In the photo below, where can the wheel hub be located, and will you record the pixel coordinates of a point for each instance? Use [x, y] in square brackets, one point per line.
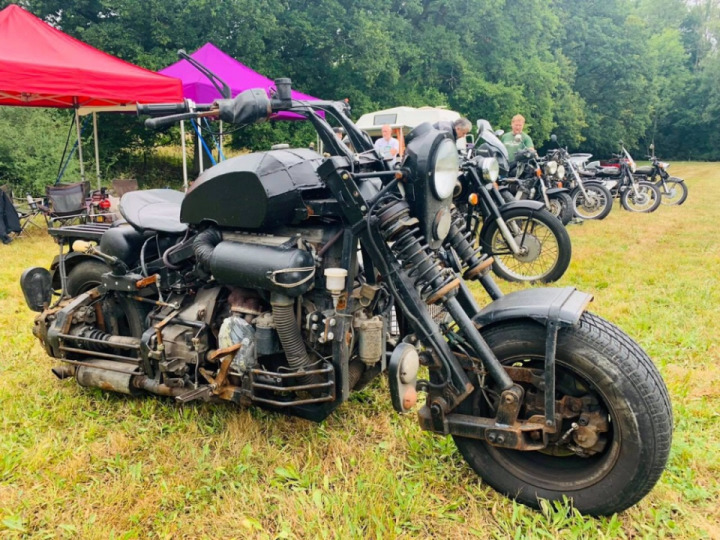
[530, 247]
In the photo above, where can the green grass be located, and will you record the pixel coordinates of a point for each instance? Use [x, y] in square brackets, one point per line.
[78, 462]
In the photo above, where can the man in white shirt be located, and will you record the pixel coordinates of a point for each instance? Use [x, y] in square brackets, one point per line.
[388, 146]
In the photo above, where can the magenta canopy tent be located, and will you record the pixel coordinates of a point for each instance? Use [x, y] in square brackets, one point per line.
[238, 77]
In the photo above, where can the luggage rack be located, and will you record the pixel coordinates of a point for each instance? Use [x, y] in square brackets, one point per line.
[84, 231]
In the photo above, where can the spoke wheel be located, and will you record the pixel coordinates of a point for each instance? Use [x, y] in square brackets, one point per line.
[673, 191]
[647, 198]
[545, 247]
[596, 205]
[561, 207]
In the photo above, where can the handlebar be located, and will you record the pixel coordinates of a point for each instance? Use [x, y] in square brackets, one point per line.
[154, 123]
[162, 109]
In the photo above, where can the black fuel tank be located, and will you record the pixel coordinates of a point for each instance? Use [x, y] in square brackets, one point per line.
[254, 191]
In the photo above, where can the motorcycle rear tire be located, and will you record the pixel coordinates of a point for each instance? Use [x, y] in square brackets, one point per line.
[536, 231]
[561, 206]
[123, 316]
[595, 359]
[648, 189]
[603, 206]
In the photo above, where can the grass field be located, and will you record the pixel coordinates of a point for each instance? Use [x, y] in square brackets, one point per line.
[76, 462]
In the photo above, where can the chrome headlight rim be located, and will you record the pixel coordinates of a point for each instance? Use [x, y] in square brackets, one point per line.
[664, 165]
[490, 169]
[445, 169]
[551, 167]
[561, 171]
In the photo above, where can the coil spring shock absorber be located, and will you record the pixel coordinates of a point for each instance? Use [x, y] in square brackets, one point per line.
[459, 239]
[478, 264]
[436, 283]
[399, 229]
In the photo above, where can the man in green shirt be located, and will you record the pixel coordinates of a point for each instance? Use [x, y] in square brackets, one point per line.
[514, 143]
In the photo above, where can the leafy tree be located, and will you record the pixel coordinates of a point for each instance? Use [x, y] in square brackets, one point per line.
[31, 146]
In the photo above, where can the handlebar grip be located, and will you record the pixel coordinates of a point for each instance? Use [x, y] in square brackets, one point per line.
[154, 123]
[162, 109]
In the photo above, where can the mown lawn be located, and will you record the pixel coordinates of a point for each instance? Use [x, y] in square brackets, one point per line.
[81, 463]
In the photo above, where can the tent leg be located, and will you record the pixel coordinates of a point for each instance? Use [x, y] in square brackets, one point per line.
[184, 155]
[200, 150]
[80, 156]
[97, 149]
[220, 139]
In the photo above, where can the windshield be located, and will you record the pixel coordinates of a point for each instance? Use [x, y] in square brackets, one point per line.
[485, 132]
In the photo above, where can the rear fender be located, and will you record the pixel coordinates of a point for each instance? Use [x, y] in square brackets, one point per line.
[72, 259]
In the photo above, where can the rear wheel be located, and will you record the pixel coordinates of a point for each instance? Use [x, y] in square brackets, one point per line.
[597, 204]
[545, 247]
[615, 434]
[673, 191]
[120, 315]
[647, 198]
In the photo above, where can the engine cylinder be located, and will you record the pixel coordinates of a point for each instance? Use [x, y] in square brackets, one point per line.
[286, 271]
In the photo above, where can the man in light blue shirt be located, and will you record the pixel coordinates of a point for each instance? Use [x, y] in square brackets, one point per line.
[388, 146]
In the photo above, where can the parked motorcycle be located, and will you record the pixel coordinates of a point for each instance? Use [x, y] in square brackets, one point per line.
[617, 175]
[590, 200]
[674, 191]
[530, 179]
[287, 279]
[526, 242]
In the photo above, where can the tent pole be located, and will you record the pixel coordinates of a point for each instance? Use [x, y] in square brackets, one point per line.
[97, 149]
[184, 156]
[200, 151]
[220, 151]
[80, 156]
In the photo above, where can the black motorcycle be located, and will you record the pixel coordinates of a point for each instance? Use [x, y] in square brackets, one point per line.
[617, 175]
[532, 178]
[287, 279]
[590, 199]
[674, 191]
[525, 241]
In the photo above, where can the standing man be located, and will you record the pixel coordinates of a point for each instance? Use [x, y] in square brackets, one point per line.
[517, 140]
[388, 146]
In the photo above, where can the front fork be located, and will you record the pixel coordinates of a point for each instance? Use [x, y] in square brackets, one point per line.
[426, 283]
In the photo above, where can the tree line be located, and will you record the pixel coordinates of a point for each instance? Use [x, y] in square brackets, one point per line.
[591, 71]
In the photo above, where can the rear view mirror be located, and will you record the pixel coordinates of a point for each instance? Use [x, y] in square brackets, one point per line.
[553, 138]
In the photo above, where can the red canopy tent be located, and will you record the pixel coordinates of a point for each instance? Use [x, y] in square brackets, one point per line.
[40, 66]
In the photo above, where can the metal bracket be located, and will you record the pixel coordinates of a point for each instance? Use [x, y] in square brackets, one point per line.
[549, 375]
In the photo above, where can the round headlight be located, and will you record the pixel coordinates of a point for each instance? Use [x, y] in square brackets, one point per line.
[446, 170]
[664, 165]
[551, 167]
[490, 168]
[561, 171]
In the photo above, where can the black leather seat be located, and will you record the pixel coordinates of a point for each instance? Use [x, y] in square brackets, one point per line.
[645, 169]
[154, 210]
